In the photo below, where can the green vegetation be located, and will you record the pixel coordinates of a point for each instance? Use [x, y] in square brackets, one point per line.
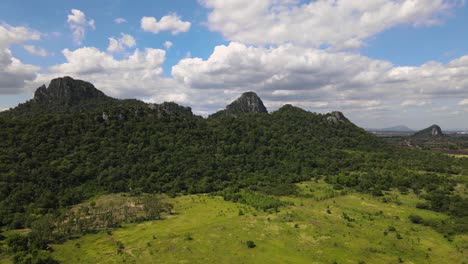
[220, 235]
[57, 154]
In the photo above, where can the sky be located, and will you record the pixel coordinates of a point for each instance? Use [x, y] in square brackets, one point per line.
[381, 62]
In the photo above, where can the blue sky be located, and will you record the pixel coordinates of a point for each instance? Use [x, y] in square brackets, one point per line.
[383, 62]
[49, 16]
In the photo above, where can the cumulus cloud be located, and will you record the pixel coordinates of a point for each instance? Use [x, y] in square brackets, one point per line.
[120, 20]
[171, 22]
[168, 44]
[10, 35]
[137, 75]
[13, 73]
[35, 51]
[340, 24]
[78, 23]
[463, 102]
[318, 79]
[118, 45]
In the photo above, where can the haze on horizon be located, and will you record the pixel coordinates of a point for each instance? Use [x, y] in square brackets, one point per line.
[383, 63]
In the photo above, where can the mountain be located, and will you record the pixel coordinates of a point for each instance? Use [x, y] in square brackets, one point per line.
[67, 90]
[72, 141]
[248, 102]
[66, 95]
[430, 132]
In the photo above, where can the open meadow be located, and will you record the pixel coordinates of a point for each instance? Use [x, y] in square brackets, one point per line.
[323, 226]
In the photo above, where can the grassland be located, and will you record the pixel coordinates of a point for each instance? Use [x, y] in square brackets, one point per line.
[210, 230]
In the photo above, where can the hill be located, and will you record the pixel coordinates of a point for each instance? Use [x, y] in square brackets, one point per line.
[72, 142]
[433, 131]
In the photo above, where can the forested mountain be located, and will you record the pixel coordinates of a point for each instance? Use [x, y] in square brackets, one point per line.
[430, 132]
[72, 142]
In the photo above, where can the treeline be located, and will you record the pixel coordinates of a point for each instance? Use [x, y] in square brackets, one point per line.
[62, 225]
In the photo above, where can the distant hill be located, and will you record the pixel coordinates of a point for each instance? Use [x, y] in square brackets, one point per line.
[433, 131]
[400, 128]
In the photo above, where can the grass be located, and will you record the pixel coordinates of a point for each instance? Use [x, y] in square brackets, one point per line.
[458, 156]
[210, 230]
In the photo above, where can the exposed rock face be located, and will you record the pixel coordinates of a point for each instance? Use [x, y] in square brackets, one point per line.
[336, 117]
[249, 102]
[436, 131]
[67, 90]
[432, 131]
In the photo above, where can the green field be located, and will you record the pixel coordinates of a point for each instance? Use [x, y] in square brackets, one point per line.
[208, 229]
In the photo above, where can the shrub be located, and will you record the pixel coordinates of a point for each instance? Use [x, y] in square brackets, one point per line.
[416, 219]
[188, 237]
[250, 244]
[424, 206]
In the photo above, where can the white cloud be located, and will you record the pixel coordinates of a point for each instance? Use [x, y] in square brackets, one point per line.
[78, 23]
[35, 51]
[463, 102]
[138, 75]
[341, 24]
[317, 79]
[120, 20]
[171, 22]
[168, 44]
[10, 35]
[13, 73]
[118, 45]
[415, 103]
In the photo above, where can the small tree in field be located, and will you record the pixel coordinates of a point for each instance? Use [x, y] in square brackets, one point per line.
[250, 244]
[154, 205]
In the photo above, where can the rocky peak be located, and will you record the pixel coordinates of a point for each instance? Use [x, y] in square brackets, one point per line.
[432, 131]
[336, 117]
[248, 102]
[67, 90]
[436, 131]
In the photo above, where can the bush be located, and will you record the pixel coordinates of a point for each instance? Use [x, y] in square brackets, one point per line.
[424, 206]
[416, 219]
[188, 237]
[250, 244]
[17, 243]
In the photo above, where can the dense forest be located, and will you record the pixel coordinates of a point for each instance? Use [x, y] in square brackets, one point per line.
[57, 152]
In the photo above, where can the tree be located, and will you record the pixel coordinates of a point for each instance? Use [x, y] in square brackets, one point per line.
[250, 244]
[154, 205]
